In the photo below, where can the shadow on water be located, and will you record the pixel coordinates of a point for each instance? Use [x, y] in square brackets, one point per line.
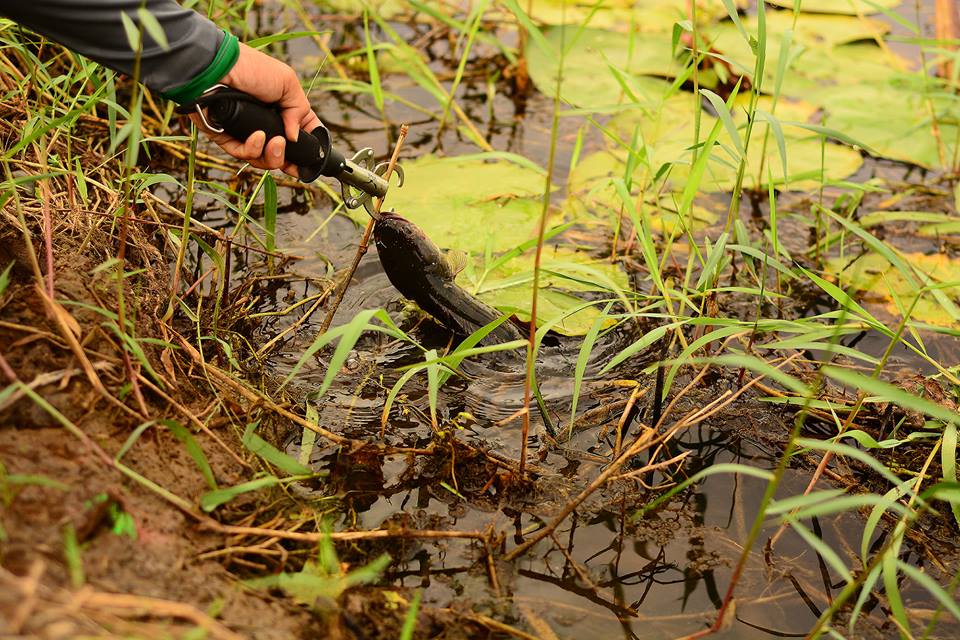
[602, 575]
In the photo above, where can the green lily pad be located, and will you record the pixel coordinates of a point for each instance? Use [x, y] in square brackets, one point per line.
[897, 124]
[823, 48]
[669, 134]
[563, 273]
[645, 16]
[478, 203]
[588, 81]
[848, 7]
[879, 281]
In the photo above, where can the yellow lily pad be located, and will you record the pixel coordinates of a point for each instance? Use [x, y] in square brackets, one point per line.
[563, 273]
[848, 7]
[879, 281]
[474, 203]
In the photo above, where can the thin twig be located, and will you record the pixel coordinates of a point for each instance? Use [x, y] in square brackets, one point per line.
[365, 240]
[342, 536]
[134, 605]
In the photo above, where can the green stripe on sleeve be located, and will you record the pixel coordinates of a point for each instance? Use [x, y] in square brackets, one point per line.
[226, 57]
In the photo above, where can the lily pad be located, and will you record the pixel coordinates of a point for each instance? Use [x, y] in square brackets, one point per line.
[563, 273]
[823, 48]
[898, 122]
[644, 16]
[849, 7]
[668, 136]
[477, 203]
[879, 281]
[588, 80]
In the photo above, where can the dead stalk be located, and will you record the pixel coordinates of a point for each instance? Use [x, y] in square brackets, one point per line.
[365, 239]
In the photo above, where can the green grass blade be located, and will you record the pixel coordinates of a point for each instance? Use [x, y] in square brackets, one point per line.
[410, 620]
[888, 392]
[270, 211]
[581, 367]
[725, 467]
[193, 448]
[725, 118]
[260, 447]
[948, 458]
[829, 555]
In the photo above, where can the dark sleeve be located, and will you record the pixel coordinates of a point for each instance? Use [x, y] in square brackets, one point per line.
[198, 49]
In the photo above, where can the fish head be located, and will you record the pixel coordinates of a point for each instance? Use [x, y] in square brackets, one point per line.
[404, 247]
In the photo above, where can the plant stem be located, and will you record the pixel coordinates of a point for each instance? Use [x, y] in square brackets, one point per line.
[365, 239]
[541, 232]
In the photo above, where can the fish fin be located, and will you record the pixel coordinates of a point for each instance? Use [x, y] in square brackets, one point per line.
[456, 261]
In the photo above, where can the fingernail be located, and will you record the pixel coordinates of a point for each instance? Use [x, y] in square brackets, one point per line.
[278, 152]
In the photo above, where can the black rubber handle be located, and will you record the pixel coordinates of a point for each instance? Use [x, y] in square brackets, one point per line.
[240, 117]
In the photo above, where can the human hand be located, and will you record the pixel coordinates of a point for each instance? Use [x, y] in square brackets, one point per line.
[273, 82]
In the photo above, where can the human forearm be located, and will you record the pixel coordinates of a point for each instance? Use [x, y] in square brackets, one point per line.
[199, 53]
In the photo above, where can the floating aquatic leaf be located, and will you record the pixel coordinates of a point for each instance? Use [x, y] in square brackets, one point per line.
[668, 135]
[849, 7]
[563, 272]
[881, 281]
[646, 16]
[588, 81]
[898, 124]
[472, 203]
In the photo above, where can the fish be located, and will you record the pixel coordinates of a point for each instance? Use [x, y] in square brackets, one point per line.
[421, 272]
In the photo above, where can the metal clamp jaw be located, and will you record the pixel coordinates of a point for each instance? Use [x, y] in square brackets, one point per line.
[360, 187]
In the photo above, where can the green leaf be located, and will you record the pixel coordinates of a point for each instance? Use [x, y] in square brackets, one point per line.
[372, 67]
[270, 211]
[472, 203]
[260, 447]
[30, 479]
[639, 345]
[133, 38]
[532, 31]
[586, 347]
[321, 581]
[410, 619]
[5, 278]
[948, 458]
[726, 118]
[715, 469]
[193, 449]
[213, 499]
[946, 600]
[890, 393]
[152, 26]
[265, 41]
[348, 335]
[777, 136]
[851, 452]
[829, 555]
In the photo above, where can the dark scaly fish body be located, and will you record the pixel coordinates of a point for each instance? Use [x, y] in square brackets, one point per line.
[422, 273]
